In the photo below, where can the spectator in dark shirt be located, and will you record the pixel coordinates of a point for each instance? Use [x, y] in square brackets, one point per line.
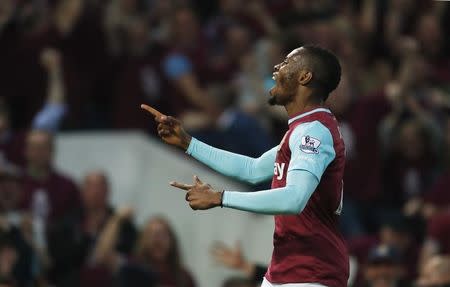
[232, 129]
[48, 118]
[21, 260]
[410, 165]
[384, 268]
[156, 252]
[73, 239]
[46, 192]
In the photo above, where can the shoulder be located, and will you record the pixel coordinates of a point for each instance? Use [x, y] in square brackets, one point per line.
[63, 179]
[439, 225]
[310, 135]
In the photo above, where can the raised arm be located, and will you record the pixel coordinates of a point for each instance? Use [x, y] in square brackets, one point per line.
[104, 251]
[50, 116]
[251, 170]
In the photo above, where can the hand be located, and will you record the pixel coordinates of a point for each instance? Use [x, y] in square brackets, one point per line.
[51, 60]
[170, 129]
[124, 213]
[232, 258]
[200, 195]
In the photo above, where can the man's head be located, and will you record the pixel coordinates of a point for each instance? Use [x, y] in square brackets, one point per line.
[185, 28]
[398, 232]
[309, 72]
[95, 190]
[39, 149]
[384, 268]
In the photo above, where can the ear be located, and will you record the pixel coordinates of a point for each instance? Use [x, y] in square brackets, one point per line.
[304, 77]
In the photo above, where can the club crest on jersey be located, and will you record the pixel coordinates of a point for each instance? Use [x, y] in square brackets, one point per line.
[309, 145]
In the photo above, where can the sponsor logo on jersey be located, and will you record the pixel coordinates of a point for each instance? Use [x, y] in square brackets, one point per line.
[278, 170]
[309, 145]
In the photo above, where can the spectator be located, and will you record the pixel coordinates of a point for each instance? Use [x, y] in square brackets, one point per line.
[233, 258]
[437, 198]
[437, 239]
[72, 241]
[435, 272]
[232, 129]
[410, 166]
[186, 64]
[156, 252]
[11, 142]
[140, 78]
[48, 118]
[10, 192]
[47, 193]
[384, 268]
[21, 260]
[398, 232]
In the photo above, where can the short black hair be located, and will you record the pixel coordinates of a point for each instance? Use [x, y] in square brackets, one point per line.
[325, 67]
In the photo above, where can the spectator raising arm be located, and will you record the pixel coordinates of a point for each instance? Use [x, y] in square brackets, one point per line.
[50, 116]
[104, 250]
[178, 68]
[234, 258]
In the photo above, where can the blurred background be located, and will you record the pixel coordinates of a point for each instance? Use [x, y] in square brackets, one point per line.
[84, 199]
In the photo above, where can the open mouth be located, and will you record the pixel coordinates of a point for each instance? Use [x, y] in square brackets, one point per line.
[275, 76]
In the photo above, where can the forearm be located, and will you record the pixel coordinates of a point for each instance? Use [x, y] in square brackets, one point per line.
[49, 117]
[55, 93]
[290, 199]
[233, 165]
[193, 92]
[107, 240]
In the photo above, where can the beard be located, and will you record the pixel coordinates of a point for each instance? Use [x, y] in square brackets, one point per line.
[280, 100]
[272, 101]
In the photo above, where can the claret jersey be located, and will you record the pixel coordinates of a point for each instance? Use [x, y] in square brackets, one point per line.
[308, 247]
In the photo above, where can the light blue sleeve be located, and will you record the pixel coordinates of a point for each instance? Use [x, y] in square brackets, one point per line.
[176, 65]
[312, 148]
[244, 168]
[291, 199]
[49, 118]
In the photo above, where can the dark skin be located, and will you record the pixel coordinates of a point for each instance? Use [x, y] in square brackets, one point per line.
[292, 90]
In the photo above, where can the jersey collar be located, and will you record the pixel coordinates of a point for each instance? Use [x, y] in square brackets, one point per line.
[304, 114]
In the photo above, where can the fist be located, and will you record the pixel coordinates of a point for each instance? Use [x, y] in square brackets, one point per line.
[50, 59]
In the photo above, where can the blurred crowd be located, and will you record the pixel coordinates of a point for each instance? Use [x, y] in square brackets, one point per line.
[89, 64]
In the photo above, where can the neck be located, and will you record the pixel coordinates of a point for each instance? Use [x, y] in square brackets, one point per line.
[38, 172]
[301, 104]
[96, 212]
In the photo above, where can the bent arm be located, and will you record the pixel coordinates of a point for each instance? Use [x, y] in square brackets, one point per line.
[244, 168]
[312, 150]
[290, 199]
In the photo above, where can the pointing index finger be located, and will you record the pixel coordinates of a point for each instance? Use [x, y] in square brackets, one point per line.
[152, 111]
[181, 185]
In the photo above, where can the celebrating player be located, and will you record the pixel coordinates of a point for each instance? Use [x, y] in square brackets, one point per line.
[306, 170]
